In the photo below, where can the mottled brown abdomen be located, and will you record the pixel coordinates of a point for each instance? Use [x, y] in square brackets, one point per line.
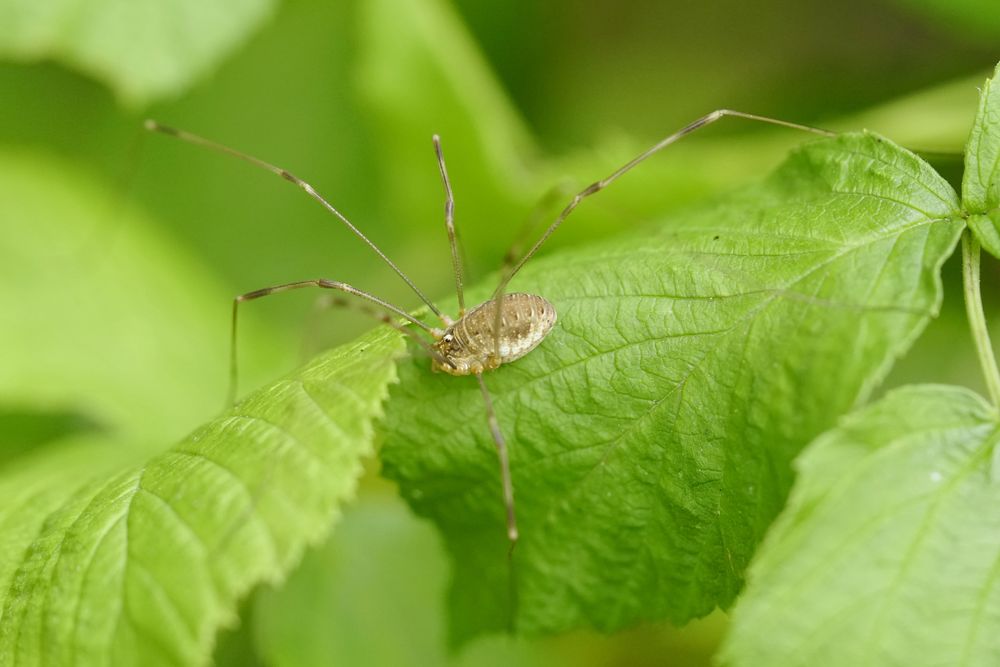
[471, 345]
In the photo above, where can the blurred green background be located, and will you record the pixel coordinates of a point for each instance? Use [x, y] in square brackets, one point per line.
[120, 251]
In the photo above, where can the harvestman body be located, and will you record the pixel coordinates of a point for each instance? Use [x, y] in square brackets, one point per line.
[498, 331]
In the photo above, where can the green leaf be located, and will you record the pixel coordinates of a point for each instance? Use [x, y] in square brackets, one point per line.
[140, 564]
[887, 552]
[981, 183]
[109, 318]
[420, 73]
[966, 18]
[372, 595]
[25, 429]
[97, 302]
[379, 555]
[651, 433]
[987, 230]
[142, 49]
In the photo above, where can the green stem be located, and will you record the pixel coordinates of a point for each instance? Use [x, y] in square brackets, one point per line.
[974, 311]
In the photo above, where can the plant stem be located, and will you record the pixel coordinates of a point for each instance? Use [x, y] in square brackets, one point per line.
[977, 320]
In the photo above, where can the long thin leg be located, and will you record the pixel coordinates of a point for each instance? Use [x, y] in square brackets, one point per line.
[449, 222]
[539, 212]
[153, 126]
[330, 301]
[498, 439]
[535, 218]
[322, 283]
[597, 186]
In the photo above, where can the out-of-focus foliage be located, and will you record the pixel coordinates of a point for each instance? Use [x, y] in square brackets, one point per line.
[979, 18]
[99, 301]
[143, 49]
[353, 597]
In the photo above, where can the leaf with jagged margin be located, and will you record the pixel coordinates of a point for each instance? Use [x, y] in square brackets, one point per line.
[143, 49]
[981, 181]
[651, 433]
[105, 563]
[888, 550]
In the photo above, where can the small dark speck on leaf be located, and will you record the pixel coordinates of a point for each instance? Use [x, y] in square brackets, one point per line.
[716, 238]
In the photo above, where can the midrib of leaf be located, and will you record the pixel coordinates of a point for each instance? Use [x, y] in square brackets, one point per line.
[936, 194]
[923, 532]
[872, 521]
[869, 445]
[992, 579]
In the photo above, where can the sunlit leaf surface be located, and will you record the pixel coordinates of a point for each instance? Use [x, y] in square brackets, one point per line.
[887, 553]
[651, 433]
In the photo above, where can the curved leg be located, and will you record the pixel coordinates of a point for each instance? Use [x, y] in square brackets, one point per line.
[534, 218]
[324, 284]
[330, 301]
[190, 138]
[449, 223]
[597, 186]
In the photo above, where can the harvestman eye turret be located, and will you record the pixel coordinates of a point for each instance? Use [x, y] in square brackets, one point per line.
[498, 331]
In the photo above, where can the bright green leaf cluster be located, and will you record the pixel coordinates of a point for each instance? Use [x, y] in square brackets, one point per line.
[652, 434]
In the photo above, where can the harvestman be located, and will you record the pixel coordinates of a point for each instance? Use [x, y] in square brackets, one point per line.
[480, 339]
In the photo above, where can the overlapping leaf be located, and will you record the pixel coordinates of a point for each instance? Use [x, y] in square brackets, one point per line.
[97, 301]
[140, 564]
[887, 552]
[981, 182]
[114, 551]
[651, 433]
[142, 49]
[372, 595]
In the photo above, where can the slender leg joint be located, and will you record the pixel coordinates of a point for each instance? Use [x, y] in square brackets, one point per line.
[502, 455]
